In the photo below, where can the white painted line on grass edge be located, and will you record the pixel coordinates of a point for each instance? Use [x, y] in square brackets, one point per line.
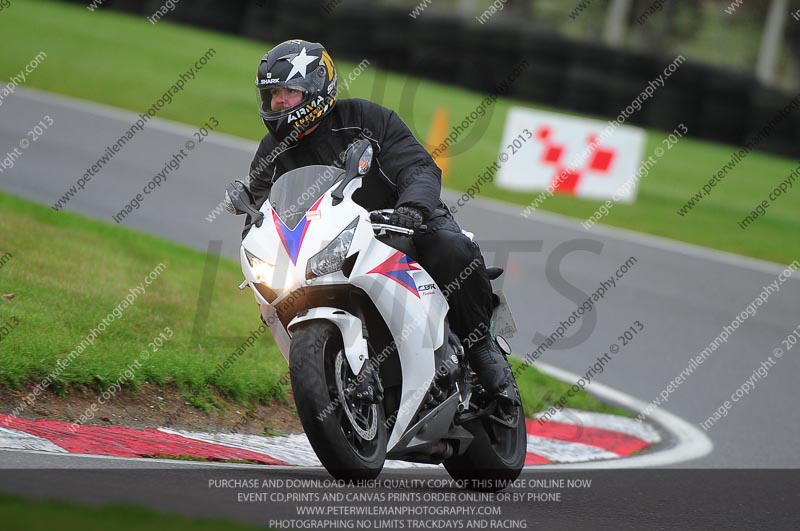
[690, 443]
[618, 233]
[495, 205]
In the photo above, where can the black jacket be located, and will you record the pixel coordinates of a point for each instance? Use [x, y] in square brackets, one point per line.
[403, 173]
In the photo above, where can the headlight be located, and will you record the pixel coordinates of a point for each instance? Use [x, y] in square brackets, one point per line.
[264, 273]
[331, 257]
[262, 270]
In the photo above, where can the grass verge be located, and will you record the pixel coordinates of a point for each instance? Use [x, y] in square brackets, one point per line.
[20, 513]
[63, 289]
[68, 274]
[539, 391]
[155, 55]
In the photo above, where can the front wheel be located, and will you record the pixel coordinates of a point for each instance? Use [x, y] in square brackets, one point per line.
[496, 455]
[348, 434]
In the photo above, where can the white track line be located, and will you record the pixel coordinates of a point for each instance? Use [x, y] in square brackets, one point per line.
[566, 451]
[127, 118]
[507, 209]
[292, 449]
[627, 235]
[143, 460]
[606, 421]
[20, 440]
[690, 443]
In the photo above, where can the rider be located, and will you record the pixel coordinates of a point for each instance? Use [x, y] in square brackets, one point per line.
[296, 86]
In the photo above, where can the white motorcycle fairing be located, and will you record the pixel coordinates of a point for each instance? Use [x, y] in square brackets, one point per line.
[275, 259]
[350, 327]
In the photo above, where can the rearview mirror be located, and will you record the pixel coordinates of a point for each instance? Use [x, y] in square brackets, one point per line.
[239, 201]
[359, 159]
[356, 164]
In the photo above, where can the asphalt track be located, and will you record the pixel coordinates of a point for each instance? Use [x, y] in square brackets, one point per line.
[683, 296]
[621, 499]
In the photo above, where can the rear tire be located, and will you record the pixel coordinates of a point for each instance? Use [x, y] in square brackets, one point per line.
[350, 443]
[496, 455]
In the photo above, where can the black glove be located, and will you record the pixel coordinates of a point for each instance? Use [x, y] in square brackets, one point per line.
[406, 217]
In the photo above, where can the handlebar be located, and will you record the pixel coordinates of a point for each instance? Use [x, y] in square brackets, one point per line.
[380, 221]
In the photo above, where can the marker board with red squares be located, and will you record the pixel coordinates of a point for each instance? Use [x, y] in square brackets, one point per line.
[576, 156]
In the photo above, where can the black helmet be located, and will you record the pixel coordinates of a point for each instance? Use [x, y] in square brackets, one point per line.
[299, 65]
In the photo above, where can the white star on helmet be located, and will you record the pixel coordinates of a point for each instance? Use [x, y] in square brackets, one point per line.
[300, 64]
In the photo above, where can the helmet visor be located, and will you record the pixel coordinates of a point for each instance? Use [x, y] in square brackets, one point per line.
[282, 107]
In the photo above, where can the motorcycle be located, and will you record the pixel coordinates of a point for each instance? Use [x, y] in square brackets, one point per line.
[375, 370]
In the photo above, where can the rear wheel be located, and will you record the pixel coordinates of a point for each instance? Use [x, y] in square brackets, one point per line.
[497, 453]
[348, 434]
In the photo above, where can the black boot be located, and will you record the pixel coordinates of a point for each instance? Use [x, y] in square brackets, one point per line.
[491, 366]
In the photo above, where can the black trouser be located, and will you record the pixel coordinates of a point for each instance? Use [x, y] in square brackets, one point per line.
[456, 264]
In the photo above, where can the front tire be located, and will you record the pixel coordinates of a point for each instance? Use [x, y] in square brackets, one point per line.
[348, 435]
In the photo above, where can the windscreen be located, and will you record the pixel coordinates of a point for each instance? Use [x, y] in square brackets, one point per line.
[297, 190]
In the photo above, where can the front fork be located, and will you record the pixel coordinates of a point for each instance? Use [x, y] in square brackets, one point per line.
[351, 328]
